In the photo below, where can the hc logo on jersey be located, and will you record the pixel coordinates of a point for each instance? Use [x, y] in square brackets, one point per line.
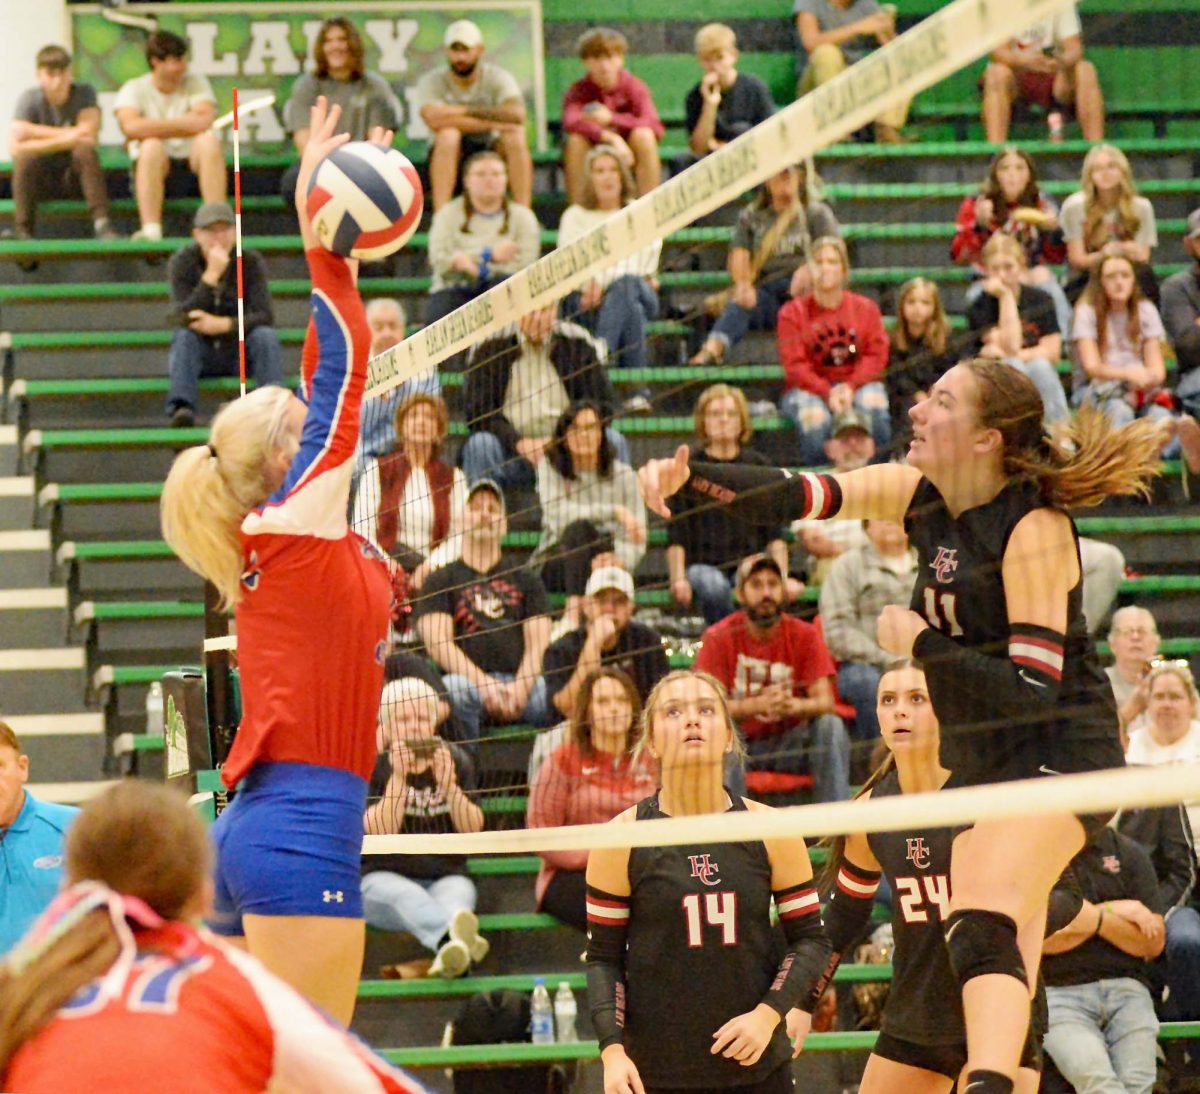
[705, 869]
[332, 897]
[916, 852]
[944, 563]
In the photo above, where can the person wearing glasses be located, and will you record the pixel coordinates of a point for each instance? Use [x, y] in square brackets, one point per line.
[1133, 638]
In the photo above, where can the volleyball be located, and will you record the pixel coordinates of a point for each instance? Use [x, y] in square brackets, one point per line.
[364, 201]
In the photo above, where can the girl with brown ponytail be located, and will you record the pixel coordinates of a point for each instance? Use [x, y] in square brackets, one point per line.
[999, 626]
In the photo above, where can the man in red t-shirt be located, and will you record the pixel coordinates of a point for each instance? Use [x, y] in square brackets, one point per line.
[779, 676]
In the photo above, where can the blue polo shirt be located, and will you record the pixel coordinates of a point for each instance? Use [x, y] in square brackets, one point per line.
[31, 858]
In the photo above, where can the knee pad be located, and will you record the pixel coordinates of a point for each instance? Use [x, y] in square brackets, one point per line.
[983, 943]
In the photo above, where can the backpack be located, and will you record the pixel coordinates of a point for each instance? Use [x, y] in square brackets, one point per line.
[499, 1017]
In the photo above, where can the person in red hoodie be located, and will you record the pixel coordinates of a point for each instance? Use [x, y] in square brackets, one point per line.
[588, 779]
[834, 349]
[609, 106]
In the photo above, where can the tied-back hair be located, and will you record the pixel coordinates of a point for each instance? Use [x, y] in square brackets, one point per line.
[1084, 463]
[468, 208]
[137, 842]
[559, 454]
[581, 724]
[211, 487]
[1095, 295]
[937, 334]
[1093, 211]
[1031, 195]
[354, 42]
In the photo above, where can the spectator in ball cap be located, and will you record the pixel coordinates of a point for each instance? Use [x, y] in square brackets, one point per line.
[204, 308]
[472, 105]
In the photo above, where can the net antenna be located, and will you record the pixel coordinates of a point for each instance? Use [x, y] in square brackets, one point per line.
[237, 229]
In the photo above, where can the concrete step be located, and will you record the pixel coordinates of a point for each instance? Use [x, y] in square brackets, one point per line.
[70, 792]
[16, 502]
[33, 617]
[62, 747]
[41, 681]
[9, 451]
[24, 558]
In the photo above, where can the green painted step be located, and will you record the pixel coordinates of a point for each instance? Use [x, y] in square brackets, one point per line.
[115, 611]
[503, 865]
[909, 191]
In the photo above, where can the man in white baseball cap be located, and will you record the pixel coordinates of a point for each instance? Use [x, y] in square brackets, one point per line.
[472, 106]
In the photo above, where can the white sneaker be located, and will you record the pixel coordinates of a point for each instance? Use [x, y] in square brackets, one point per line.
[452, 960]
[464, 928]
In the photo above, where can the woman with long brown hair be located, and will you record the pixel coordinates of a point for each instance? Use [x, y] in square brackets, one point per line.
[921, 351]
[999, 627]
[115, 987]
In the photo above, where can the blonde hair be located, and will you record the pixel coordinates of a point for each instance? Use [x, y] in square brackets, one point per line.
[722, 391]
[937, 334]
[713, 37]
[588, 198]
[386, 303]
[1093, 211]
[1097, 296]
[838, 244]
[655, 697]
[1002, 243]
[408, 689]
[1182, 672]
[212, 487]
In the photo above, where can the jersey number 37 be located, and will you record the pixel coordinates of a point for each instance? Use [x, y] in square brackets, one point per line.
[918, 894]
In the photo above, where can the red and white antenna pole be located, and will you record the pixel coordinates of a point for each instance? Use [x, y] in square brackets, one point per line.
[237, 227]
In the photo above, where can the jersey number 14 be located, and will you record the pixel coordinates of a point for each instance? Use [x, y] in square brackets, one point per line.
[719, 910]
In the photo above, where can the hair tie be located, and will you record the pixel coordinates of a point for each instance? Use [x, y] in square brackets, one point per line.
[211, 450]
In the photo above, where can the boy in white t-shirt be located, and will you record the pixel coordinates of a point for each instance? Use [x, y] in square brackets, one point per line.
[1044, 65]
[167, 116]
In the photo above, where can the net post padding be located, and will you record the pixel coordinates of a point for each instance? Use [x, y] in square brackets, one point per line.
[942, 44]
[1094, 792]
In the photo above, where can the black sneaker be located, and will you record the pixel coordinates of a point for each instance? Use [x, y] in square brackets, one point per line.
[183, 417]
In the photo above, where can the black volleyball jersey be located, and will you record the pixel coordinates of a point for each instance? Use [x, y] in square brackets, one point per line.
[701, 950]
[922, 1004]
[960, 592]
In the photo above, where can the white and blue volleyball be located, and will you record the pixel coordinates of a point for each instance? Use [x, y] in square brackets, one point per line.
[364, 201]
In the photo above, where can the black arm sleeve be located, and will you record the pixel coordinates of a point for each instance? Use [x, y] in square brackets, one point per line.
[846, 918]
[1066, 902]
[767, 496]
[608, 924]
[808, 948]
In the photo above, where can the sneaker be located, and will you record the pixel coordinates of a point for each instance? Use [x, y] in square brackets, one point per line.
[107, 233]
[183, 417]
[637, 404]
[464, 928]
[451, 961]
[152, 259]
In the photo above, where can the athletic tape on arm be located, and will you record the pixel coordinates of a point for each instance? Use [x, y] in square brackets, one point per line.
[1054, 795]
[945, 42]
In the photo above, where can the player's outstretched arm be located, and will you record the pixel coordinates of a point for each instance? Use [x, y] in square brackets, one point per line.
[322, 140]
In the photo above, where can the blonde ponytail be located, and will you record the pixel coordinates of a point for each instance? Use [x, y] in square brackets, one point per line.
[212, 487]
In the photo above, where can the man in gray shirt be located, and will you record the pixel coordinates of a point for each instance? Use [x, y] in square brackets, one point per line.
[470, 106]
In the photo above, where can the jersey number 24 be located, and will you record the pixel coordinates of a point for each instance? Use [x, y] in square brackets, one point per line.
[917, 894]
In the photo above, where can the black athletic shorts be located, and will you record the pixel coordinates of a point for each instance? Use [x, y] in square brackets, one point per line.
[778, 1082]
[948, 1060]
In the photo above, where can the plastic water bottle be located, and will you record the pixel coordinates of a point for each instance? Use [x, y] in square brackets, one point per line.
[564, 1014]
[541, 1014]
[154, 710]
[1055, 124]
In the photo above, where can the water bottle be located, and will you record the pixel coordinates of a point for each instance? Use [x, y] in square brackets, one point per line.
[541, 1014]
[154, 710]
[564, 1014]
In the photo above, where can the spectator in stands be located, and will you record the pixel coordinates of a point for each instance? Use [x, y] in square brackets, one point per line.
[1181, 317]
[779, 676]
[340, 74]
[609, 635]
[166, 117]
[404, 662]
[377, 433]
[768, 259]
[921, 349]
[31, 843]
[609, 106]
[1166, 836]
[859, 585]
[705, 542]
[725, 103]
[1133, 638]
[1103, 1031]
[1103, 572]
[1018, 324]
[421, 784]
[485, 621]
[1118, 340]
[1170, 732]
[588, 779]
[411, 503]
[834, 350]
[1044, 66]
[1011, 202]
[1107, 216]
[52, 141]
[472, 106]
[204, 305]
[850, 446]
[621, 300]
[518, 384]
[835, 34]
[590, 506]
[479, 238]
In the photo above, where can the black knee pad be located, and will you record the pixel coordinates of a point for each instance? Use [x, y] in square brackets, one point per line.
[983, 943]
